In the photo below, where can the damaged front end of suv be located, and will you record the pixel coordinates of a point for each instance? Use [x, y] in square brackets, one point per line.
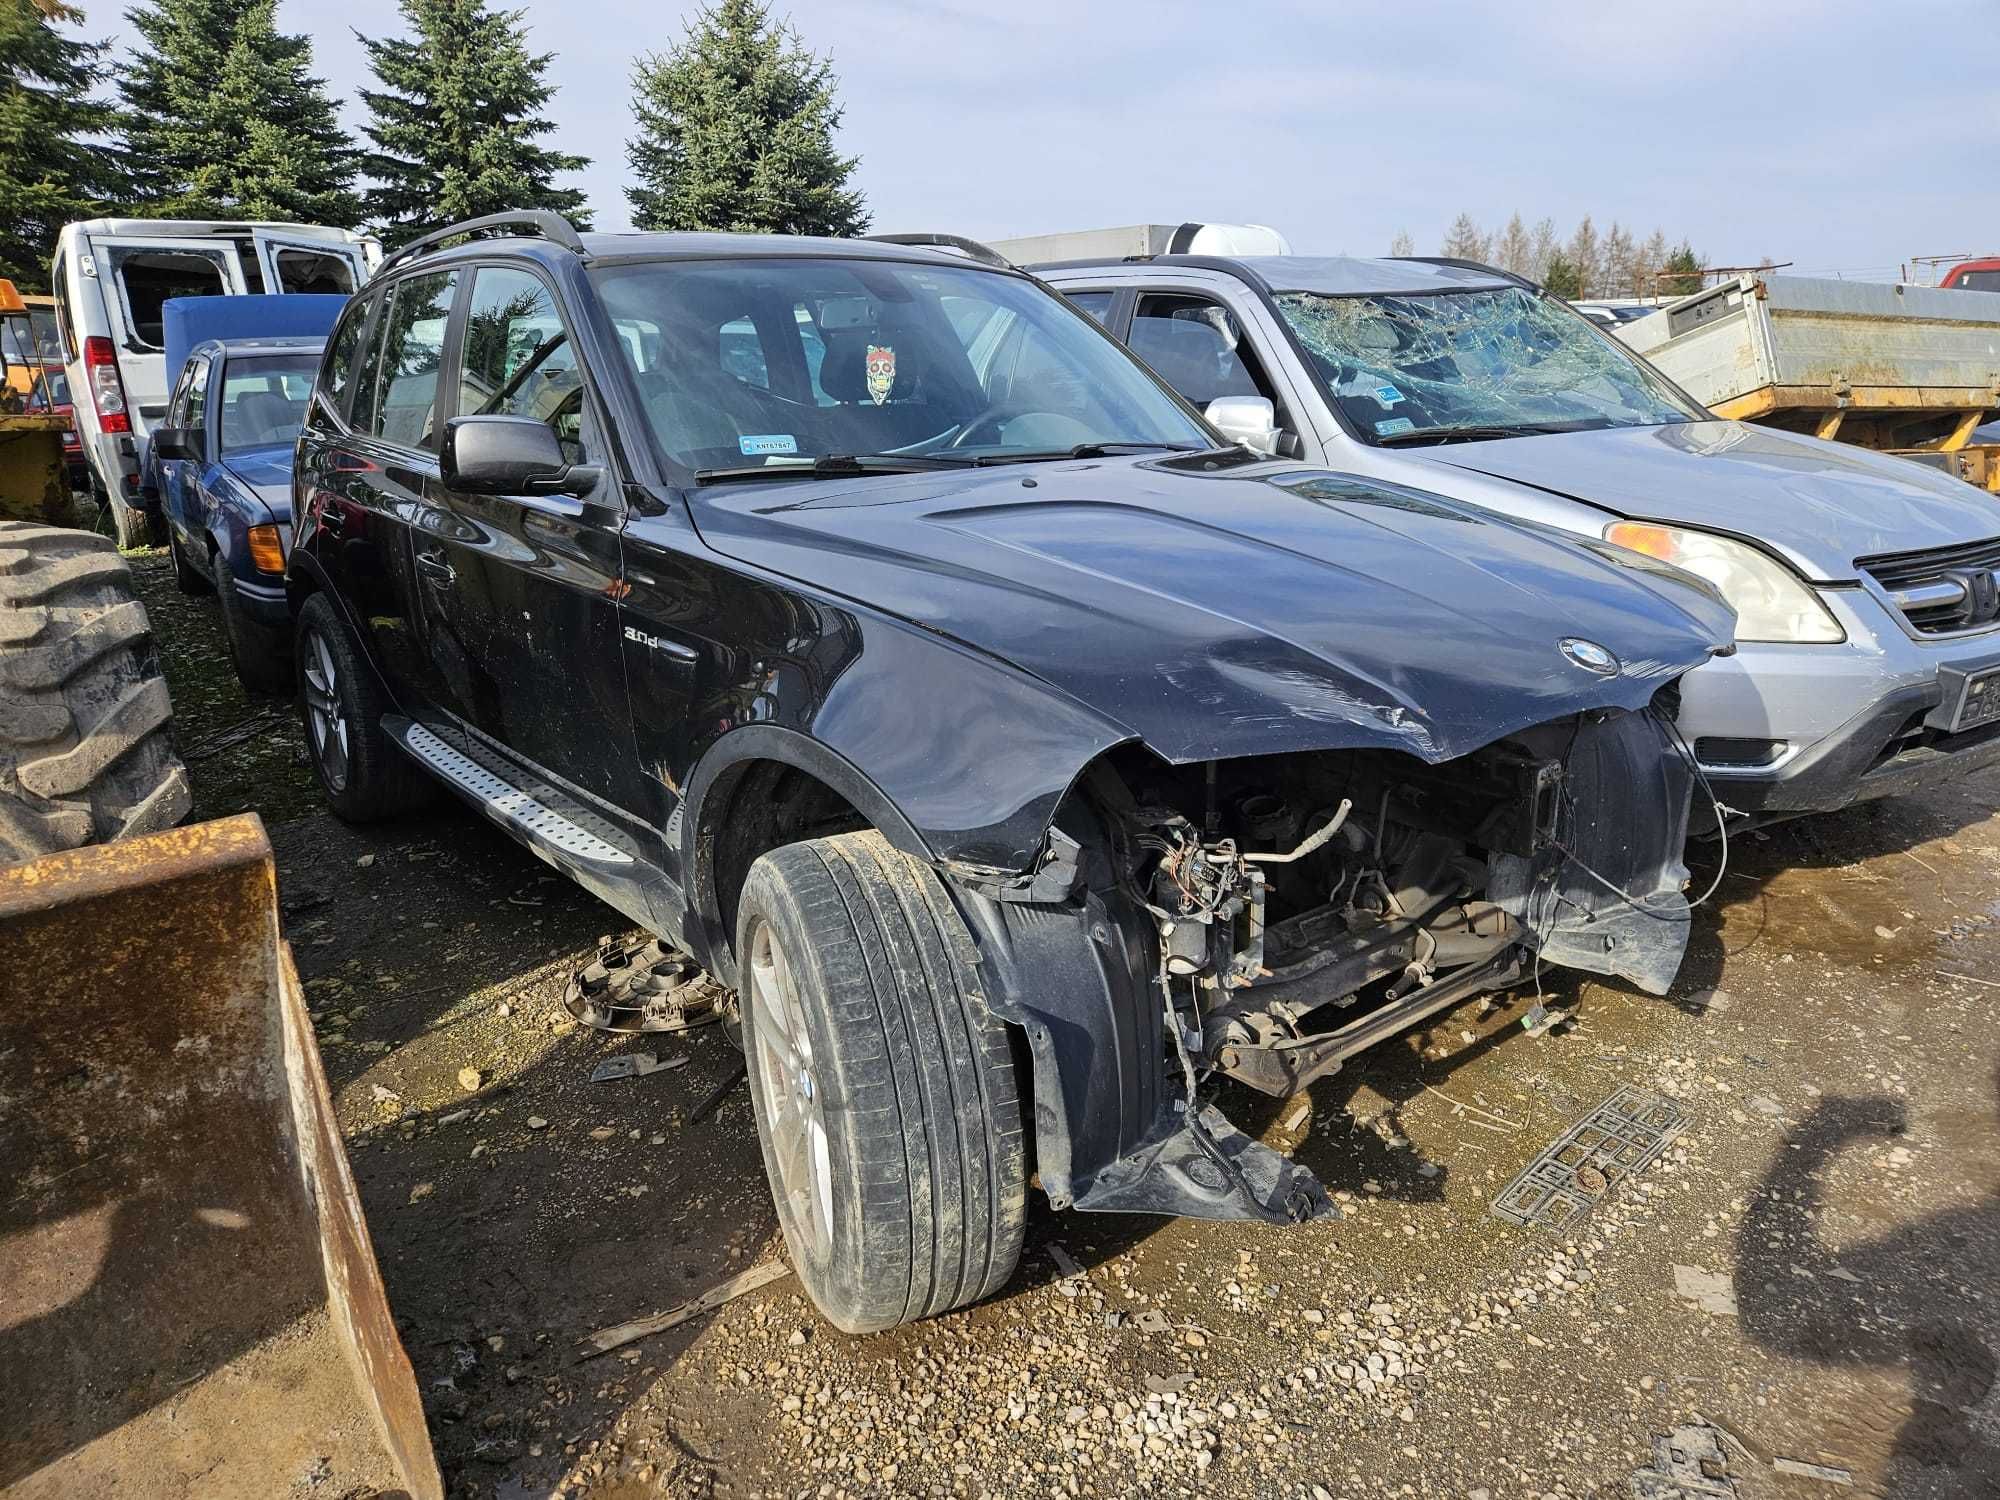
[1312, 758]
[1268, 918]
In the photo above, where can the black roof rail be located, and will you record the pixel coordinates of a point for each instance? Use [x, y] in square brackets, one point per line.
[539, 221]
[1463, 264]
[972, 249]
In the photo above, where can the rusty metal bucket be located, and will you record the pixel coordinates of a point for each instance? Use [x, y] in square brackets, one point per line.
[189, 1304]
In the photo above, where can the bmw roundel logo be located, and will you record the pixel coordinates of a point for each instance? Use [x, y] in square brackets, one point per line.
[1589, 655]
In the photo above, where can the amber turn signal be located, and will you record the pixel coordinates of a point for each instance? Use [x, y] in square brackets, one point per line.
[267, 553]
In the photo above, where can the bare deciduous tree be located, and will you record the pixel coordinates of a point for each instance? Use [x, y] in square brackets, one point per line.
[1513, 250]
[1541, 248]
[1403, 244]
[1620, 269]
[1464, 241]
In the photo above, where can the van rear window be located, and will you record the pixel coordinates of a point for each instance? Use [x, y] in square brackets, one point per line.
[147, 277]
[310, 271]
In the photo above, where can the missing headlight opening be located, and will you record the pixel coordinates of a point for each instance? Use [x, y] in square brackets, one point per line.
[1292, 911]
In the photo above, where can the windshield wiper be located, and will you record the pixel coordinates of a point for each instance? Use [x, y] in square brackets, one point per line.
[1082, 450]
[1476, 433]
[837, 466]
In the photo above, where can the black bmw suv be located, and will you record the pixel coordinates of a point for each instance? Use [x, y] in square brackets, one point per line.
[861, 618]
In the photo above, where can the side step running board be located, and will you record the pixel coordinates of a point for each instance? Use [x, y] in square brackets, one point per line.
[536, 814]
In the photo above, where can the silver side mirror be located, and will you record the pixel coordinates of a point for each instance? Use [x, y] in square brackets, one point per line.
[1249, 420]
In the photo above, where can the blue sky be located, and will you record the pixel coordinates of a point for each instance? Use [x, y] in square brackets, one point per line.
[1842, 136]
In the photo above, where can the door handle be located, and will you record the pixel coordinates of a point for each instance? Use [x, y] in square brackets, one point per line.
[433, 566]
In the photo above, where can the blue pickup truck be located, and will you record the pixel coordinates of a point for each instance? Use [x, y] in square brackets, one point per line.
[221, 462]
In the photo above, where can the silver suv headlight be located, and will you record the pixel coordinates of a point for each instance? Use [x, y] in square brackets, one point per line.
[1772, 603]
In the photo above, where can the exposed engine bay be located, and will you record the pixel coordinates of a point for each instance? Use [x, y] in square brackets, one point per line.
[1292, 911]
[1289, 891]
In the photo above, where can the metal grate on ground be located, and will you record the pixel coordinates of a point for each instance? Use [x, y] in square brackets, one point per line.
[1623, 1135]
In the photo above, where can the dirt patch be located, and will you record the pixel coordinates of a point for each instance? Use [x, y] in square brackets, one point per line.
[1840, 1170]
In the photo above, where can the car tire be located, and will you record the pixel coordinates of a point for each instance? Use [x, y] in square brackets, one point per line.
[132, 526]
[256, 650]
[886, 1093]
[86, 738]
[187, 578]
[365, 777]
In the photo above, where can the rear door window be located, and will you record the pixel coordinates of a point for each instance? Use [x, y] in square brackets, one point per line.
[342, 351]
[313, 271]
[196, 381]
[146, 275]
[406, 362]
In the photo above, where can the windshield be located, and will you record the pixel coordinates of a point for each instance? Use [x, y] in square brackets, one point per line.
[771, 362]
[1406, 369]
[264, 400]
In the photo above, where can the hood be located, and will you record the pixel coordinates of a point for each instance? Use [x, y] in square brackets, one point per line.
[1820, 504]
[1252, 611]
[267, 474]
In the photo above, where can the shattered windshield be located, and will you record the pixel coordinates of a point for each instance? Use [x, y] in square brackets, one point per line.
[1498, 362]
[772, 363]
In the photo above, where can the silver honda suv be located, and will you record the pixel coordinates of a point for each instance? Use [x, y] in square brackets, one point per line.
[1868, 618]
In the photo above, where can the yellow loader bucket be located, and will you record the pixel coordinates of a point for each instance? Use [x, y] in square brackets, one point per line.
[189, 1304]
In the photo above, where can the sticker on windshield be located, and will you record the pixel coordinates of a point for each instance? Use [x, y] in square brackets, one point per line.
[1394, 425]
[769, 442]
[881, 372]
[1387, 395]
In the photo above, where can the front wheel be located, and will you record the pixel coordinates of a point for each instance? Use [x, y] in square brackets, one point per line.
[885, 1091]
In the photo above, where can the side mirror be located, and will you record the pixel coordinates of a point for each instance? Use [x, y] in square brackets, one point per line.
[495, 455]
[1249, 420]
[181, 442]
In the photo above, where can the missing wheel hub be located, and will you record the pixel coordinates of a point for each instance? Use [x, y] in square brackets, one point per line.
[643, 985]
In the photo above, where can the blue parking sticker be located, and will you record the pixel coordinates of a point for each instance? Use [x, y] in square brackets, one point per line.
[770, 442]
[1387, 395]
[1395, 425]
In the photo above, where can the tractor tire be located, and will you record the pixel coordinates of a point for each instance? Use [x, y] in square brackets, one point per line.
[86, 747]
[887, 1097]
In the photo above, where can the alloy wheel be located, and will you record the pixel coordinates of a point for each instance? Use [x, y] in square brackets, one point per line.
[326, 715]
[789, 1089]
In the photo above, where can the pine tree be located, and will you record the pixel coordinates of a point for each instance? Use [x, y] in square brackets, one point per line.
[224, 119]
[1686, 266]
[1561, 277]
[1585, 256]
[1513, 251]
[458, 122]
[49, 172]
[736, 127]
[1464, 240]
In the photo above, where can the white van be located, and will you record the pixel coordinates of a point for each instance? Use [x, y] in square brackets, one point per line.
[111, 277]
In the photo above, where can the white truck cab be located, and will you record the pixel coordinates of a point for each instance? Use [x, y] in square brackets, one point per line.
[110, 278]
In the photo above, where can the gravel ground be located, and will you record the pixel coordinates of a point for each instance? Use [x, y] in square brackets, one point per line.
[1806, 1277]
